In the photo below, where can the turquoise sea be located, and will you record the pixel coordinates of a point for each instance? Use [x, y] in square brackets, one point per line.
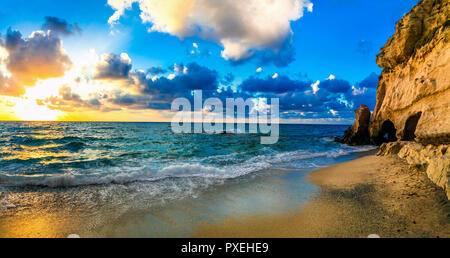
[94, 175]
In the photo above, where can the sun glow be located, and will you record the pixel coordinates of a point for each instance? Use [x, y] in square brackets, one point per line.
[29, 110]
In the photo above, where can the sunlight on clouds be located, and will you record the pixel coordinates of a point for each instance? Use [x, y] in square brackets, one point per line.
[240, 27]
[29, 110]
[44, 88]
[3, 56]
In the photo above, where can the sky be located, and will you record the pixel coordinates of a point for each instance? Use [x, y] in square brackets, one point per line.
[127, 60]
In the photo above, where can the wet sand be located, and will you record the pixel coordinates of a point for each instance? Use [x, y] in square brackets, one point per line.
[369, 195]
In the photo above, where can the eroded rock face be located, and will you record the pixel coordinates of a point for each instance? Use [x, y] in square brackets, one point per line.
[435, 160]
[413, 95]
[358, 133]
[391, 148]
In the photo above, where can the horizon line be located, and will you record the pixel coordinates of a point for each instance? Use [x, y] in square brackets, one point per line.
[72, 121]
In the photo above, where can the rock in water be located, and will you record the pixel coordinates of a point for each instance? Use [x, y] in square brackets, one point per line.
[413, 94]
[358, 133]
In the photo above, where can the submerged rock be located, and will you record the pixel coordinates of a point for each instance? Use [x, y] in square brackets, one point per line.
[358, 133]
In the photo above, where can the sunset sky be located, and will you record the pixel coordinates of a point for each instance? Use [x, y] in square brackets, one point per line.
[126, 60]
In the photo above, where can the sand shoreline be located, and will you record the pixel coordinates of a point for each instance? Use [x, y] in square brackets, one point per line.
[369, 195]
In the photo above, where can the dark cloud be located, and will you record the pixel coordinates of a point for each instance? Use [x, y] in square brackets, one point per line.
[158, 93]
[156, 70]
[179, 68]
[40, 56]
[194, 77]
[370, 82]
[336, 86]
[66, 93]
[13, 39]
[228, 79]
[69, 101]
[280, 58]
[159, 105]
[296, 96]
[278, 85]
[60, 26]
[367, 98]
[335, 98]
[112, 67]
[134, 101]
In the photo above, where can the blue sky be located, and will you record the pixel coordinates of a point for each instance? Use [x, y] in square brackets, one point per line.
[338, 37]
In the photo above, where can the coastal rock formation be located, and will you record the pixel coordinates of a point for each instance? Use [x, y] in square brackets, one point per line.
[413, 95]
[358, 133]
[391, 148]
[435, 160]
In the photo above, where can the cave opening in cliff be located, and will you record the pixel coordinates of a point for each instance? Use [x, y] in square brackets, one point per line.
[388, 132]
[410, 127]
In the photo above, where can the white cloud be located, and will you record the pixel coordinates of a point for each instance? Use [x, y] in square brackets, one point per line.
[315, 87]
[180, 68]
[25, 60]
[358, 91]
[195, 45]
[333, 112]
[171, 76]
[240, 27]
[331, 77]
[259, 69]
[275, 76]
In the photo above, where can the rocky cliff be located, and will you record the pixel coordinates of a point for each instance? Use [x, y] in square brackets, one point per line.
[413, 95]
[435, 160]
[358, 133]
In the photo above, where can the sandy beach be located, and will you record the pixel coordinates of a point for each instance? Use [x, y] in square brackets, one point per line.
[369, 195]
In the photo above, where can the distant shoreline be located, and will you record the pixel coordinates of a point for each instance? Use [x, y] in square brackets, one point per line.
[369, 195]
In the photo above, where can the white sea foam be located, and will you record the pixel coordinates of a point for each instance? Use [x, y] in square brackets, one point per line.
[252, 165]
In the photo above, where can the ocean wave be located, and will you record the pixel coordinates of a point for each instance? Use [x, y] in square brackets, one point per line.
[174, 171]
[272, 157]
[61, 181]
[190, 170]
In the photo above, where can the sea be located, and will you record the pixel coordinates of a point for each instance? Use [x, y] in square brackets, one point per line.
[143, 180]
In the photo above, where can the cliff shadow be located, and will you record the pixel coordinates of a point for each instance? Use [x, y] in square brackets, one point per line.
[410, 127]
[387, 133]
